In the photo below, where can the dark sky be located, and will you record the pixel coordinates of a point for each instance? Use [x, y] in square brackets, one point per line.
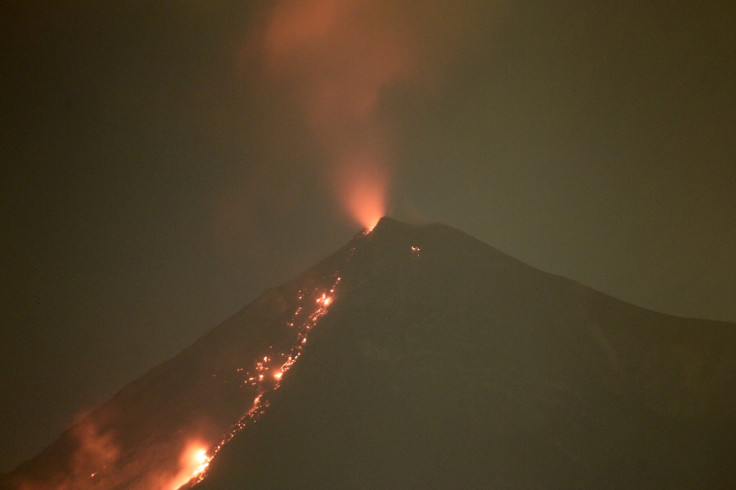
[165, 162]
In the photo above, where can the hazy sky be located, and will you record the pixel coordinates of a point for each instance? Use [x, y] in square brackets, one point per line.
[165, 162]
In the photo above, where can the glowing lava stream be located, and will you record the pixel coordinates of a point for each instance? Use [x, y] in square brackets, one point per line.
[269, 370]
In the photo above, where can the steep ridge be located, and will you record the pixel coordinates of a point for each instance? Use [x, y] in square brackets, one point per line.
[438, 362]
[161, 430]
[447, 364]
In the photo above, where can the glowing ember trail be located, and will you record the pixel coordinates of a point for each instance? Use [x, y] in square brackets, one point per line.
[268, 370]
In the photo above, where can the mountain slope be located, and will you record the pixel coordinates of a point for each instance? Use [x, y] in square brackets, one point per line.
[452, 365]
[153, 432]
[435, 361]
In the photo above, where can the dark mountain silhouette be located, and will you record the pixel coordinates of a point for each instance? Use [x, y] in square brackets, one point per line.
[435, 361]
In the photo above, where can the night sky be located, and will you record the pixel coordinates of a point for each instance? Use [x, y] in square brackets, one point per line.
[163, 163]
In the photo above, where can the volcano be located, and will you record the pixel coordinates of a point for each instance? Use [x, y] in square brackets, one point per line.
[420, 357]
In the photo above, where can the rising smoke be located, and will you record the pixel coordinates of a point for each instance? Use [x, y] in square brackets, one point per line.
[337, 59]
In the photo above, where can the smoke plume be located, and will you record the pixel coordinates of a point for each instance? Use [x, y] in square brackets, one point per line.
[336, 60]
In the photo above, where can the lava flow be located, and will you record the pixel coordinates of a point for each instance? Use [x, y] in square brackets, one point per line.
[268, 370]
[193, 462]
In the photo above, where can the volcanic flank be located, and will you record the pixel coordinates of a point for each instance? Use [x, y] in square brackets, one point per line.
[420, 357]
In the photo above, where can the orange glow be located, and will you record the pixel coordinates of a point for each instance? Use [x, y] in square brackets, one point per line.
[324, 300]
[201, 458]
[278, 375]
[192, 463]
[363, 188]
[366, 204]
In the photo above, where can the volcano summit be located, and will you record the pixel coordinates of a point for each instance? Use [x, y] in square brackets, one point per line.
[414, 357]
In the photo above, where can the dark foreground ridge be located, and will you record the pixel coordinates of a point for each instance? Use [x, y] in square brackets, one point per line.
[441, 363]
